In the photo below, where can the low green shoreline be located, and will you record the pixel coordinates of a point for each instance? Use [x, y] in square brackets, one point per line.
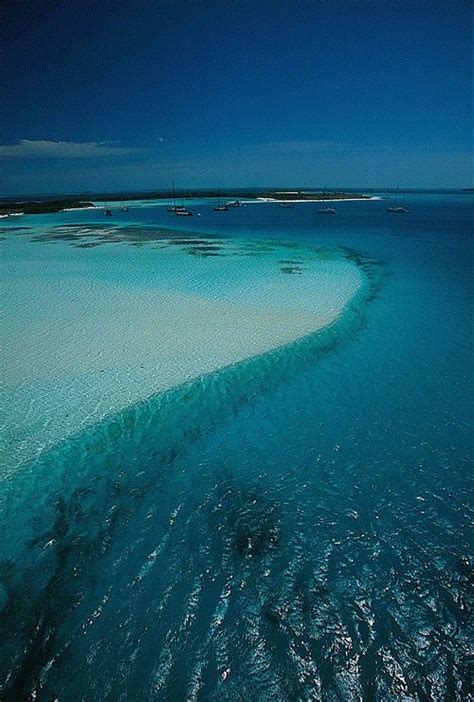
[47, 207]
[15, 207]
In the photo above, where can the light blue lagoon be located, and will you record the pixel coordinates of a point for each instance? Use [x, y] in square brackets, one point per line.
[237, 453]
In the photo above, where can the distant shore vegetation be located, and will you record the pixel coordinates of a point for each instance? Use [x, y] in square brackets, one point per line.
[14, 207]
[41, 207]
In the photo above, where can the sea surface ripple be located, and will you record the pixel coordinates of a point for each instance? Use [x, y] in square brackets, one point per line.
[294, 527]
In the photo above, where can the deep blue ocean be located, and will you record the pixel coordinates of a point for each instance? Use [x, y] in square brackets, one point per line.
[294, 527]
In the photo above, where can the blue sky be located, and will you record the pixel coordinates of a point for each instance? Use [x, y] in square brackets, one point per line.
[127, 95]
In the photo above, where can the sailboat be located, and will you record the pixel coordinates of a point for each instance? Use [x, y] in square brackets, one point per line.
[173, 208]
[397, 210]
[178, 209]
[183, 213]
[107, 212]
[326, 210]
[220, 208]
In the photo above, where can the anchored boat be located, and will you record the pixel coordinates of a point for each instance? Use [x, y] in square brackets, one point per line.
[219, 207]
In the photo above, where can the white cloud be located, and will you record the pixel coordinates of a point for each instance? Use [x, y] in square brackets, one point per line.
[27, 148]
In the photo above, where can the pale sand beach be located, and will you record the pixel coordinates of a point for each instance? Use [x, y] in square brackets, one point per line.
[198, 202]
[75, 209]
[329, 199]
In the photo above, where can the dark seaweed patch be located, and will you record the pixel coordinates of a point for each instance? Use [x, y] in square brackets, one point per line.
[90, 244]
[252, 253]
[273, 614]
[292, 270]
[208, 247]
[54, 237]
[203, 251]
[202, 254]
[192, 241]
[133, 235]
[252, 520]
[37, 613]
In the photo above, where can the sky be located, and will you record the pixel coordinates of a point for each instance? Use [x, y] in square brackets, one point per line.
[108, 95]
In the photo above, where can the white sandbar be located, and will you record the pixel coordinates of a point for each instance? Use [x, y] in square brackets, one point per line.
[89, 331]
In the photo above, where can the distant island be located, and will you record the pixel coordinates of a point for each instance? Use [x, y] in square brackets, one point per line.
[16, 207]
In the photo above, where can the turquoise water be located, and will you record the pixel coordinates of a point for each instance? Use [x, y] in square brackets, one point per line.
[292, 527]
[99, 317]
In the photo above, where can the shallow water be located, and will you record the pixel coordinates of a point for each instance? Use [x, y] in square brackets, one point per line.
[97, 318]
[292, 527]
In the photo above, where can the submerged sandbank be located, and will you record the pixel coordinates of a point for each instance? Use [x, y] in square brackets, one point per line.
[88, 332]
